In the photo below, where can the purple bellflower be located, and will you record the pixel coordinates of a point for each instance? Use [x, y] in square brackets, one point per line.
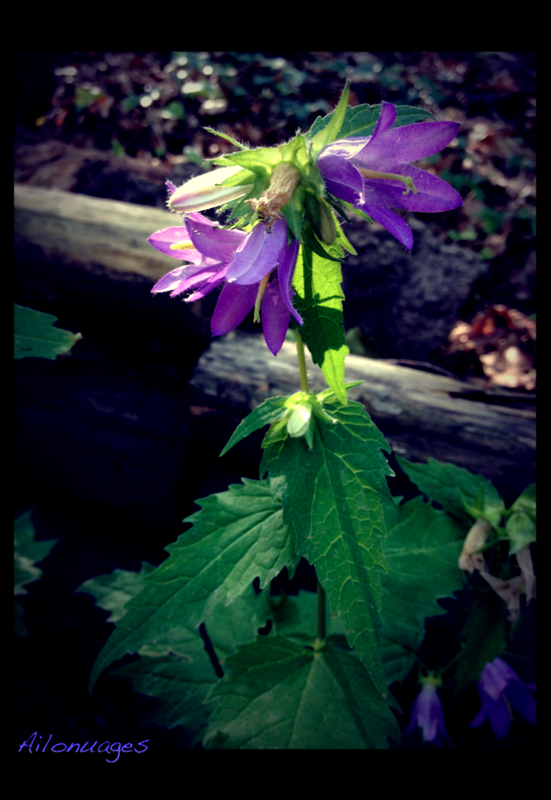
[500, 688]
[368, 171]
[257, 270]
[428, 715]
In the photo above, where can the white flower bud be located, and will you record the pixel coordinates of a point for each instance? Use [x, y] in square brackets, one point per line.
[204, 191]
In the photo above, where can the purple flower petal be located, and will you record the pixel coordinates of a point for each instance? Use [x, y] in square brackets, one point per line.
[233, 305]
[207, 280]
[521, 700]
[217, 244]
[259, 255]
[391, 221]
[285, 273]
[405, 144]
[342, 179]
[163, 239]
[178, 280]
[427, 714]
[386, 119]
[275, 317]
[433, 194]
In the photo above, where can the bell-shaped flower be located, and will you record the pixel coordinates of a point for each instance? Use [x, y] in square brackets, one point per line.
[375, 175]
[256, 269]
[501, 689]
[428, 715]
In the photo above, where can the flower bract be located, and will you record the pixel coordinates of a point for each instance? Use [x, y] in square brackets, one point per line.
[501, 689]
[375, 175]
[256, 269]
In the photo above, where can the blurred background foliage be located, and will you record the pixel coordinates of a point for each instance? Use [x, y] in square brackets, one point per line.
[152, 108]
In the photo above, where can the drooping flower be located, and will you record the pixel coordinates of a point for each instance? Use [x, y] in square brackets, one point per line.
[375, 175]
[501, 689]
[257, 269]
[428, 715]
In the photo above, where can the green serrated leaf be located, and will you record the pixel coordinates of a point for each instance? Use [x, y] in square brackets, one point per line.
[453, 487]
[237, 536]
[279, 695]
[181, 677]
[521, 531]
[334, 495]
[362, 120]
[317, 283]
[35, 336]
[421, 548]
[267, 412]
[526, 501]
[112, 592]
[27, 553]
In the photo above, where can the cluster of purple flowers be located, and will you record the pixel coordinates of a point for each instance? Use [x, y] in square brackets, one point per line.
[500, 690]
[257, 267]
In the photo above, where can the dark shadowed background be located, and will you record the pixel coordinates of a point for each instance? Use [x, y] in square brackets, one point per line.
[112, 444]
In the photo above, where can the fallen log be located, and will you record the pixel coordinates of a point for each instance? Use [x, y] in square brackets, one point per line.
[422, 415]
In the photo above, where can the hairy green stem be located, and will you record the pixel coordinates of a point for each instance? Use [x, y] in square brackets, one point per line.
[301, 363]
[321, 615]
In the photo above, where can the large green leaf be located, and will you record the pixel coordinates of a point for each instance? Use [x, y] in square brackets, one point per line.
[281, 695]
[361, 120]
[181, 677]
[422, 547]
[459, 492]
[317, 283]
[333, 496]
[34, 335]
[237, 536]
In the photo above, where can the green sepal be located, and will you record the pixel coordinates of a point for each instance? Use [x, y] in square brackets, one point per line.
[331, 131]
[267, 412]
[311, 241]
[238, 144]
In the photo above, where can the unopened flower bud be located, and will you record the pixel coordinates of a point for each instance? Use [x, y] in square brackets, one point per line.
[205, 191]
[298, 422]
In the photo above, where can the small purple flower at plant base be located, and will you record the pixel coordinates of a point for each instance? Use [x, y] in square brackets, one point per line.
[428, 715]
[501, 689]
[257, 269]
[370, 172]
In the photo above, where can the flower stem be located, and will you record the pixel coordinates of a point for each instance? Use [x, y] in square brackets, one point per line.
[301, 363]
[320, 639]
